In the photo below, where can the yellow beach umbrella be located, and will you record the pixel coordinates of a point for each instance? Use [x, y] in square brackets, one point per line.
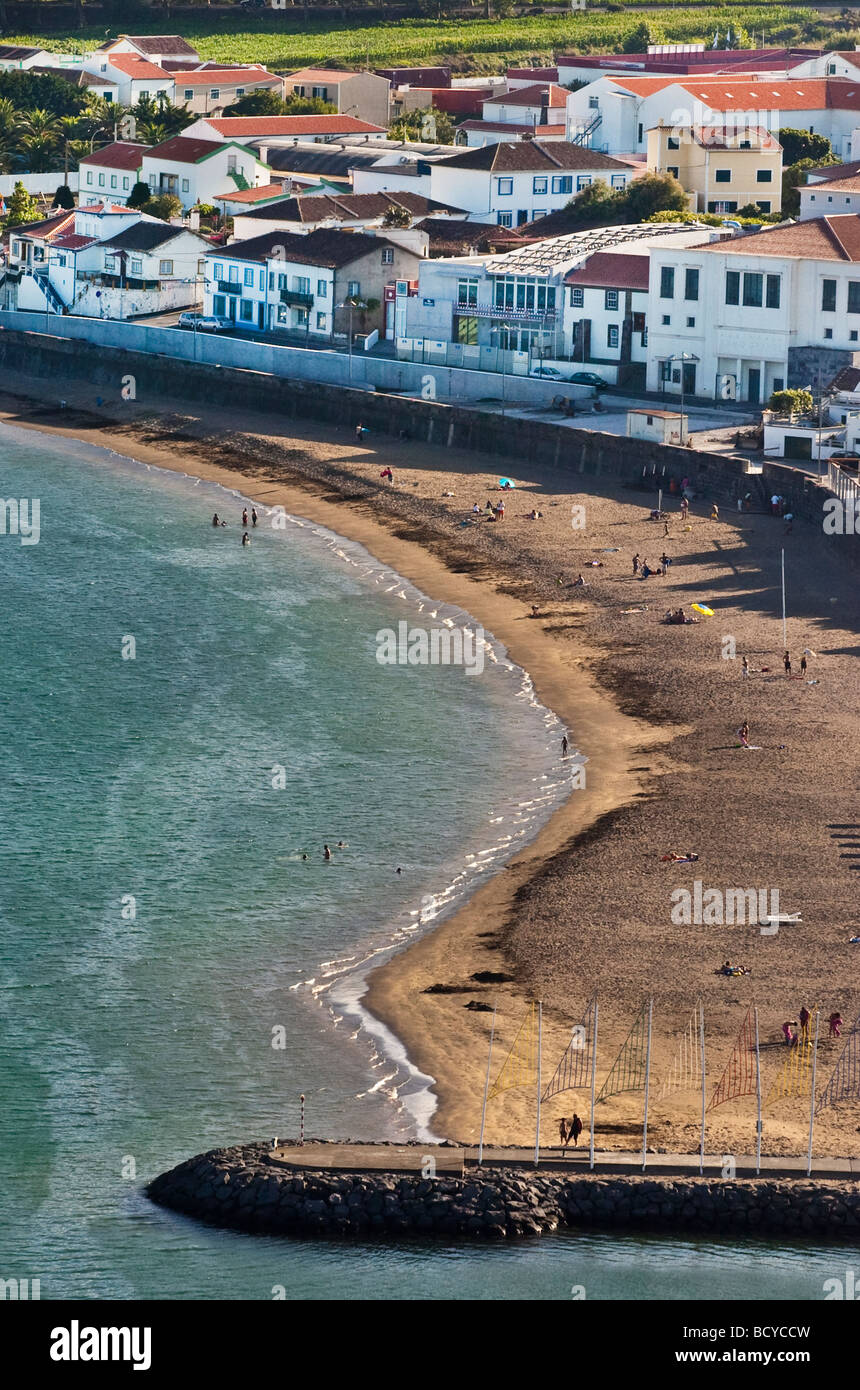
[703, 609]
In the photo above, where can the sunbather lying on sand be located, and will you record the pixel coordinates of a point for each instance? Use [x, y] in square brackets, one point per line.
[673, 858]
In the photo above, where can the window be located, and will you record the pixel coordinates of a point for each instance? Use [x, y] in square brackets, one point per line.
[764, 205]
[215, 94]
[302, 284]
[262, 279]
[248, 275]
[722, 176]
[322, 289]
[828, 296]
[321, 321]
[619, 180]
[639, 134]
[137, 266]
[672, 143]
[506, 219]
[828, 332]
[233, 274]
[610, 299]
[577, 297]
[184, 185]
[853, 335]
[240, 91]
[691, 323]
[539, 185]
[144, 96]
[674, 170]
[231, 164]
[165, 267]
[353, 289]
[321, 92]
[666, 319]
[388, 256]
[563, 183]
[113, 180]
[854, 296]
[218, 271]
[505, 187]
[612, 335]
[772, 292]
[594, 103]
[722, 206]
[538, 212]
[691, 284]
[753, 283]
[667, 282]
[467, 292]
[89, 176]
[61, 260]
[764, 176]
[246, 310]
[125, 183]
[101, 180]
[189, 94]
[779, 383]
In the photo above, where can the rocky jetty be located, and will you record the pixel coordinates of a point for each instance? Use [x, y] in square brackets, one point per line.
[247, 1189]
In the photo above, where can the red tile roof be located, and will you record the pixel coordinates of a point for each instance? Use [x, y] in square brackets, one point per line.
[614, 271]
[820, 239]
[139, 69]
[542, 93]
[261, 126]
[330, 75]
[185, 149]
[124, 154]
[252, 195]
[536, 74]
[202, 77]
[847, 185]
[768, 94]
[72, 241]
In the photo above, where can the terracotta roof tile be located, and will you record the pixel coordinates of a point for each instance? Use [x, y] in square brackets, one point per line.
[819, 239]
[614, 271]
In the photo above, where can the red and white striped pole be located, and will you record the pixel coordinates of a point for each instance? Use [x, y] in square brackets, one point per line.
[302, 1126]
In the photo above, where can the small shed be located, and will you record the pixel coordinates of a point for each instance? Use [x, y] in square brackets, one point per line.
[660, 426]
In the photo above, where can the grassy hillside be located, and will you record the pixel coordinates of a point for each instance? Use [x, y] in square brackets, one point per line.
[473, 45]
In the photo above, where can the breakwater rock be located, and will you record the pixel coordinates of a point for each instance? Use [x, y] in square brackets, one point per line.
[247, 1189]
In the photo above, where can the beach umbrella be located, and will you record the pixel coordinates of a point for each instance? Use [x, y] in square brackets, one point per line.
[506, 482]
[703, 609]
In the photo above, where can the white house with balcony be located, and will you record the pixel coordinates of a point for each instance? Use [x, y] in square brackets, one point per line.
[741, 318]
[512, 184]
[198, 171]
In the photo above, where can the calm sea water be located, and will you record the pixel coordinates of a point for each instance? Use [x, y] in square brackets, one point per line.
[160, 928]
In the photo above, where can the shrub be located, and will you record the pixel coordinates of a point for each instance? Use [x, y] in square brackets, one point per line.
[793, 402]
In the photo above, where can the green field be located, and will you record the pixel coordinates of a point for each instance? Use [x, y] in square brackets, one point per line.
[473, 45]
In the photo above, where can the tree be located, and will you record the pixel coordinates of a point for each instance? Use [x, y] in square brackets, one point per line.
[653, 193]
[436, 127]
[792, 178]
[261, 103]
[139, 195]
[165, 206]
[21, 208]
[64, 197]
[397, 217]
[792, 402]
[638, 39]
[27, 90]
[803, 144]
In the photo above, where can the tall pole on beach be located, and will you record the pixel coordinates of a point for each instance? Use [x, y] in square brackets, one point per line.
[487, 1087]
[302, 1124]
[812, 1094]
[593, 1077]
[757, 1096]
[537, 1126]
[702, 1048]
[647, 1085]
[782, 564]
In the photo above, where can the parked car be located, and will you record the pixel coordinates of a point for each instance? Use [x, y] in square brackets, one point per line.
[589, 379]
[549, 373]
[204, 323]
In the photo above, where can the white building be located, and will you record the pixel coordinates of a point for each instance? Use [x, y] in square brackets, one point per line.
[135, 78]
[511, 184]
[15, 56]
[155, 48]
[361, 94]
[351, 211]
[199, 171]
[822, 199]
[111, 173]
[744, 317]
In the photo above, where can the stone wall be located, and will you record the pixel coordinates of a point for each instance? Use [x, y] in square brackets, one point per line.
[246, 1189]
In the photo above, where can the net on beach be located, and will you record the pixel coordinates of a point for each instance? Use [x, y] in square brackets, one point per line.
[844, 1083]
[740, 1076]
[573, 1072]
[794, 1081]
[520, 1066]
[630, 1068]
[685, 1073]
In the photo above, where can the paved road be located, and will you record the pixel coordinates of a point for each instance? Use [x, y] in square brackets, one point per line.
[414, 1158]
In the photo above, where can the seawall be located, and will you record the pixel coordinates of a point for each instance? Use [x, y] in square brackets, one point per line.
[246, 1188]
[548, 443]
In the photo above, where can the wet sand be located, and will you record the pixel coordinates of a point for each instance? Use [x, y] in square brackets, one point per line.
[588, 905]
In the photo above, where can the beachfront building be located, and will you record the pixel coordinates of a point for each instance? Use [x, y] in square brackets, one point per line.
[512, 184]
[207, 90]
[284, 130]
[111, 173]
[556, 302]
[198, 171]
[303, 283]
[361, 94]
[722, 169]
[103, 261]
[744, 317]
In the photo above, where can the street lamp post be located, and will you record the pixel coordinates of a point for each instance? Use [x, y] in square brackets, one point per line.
[683, 357]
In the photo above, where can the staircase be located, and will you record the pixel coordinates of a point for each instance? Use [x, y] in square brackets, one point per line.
[55, 304]
[584, 134]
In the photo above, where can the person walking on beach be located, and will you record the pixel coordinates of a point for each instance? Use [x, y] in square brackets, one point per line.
[835, 1023]
[790, 1037]
[685, 507]
[786, 661]
[564, 746]
[562, 1131]
[254, 517]
[803, 664]
[244, 516]
[744, 734]
[715, 512]
[636, 563]
[575, 1129]
[804, 1017]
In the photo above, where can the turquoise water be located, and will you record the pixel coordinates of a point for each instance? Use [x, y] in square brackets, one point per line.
[159, 927]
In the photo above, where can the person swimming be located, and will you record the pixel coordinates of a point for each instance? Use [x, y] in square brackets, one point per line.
[326, 852]
[246, 539]
[216, 520]
[341, 844]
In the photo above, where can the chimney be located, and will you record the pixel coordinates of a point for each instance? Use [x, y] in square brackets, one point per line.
[263, 154]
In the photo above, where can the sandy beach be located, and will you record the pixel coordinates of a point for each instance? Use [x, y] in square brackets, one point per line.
[588, 905]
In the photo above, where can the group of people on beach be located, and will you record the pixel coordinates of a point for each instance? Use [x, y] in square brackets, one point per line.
[254, 518]
[566, 1131]
[803, 1021]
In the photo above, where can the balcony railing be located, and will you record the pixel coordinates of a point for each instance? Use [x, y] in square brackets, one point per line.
[229, 287]
[500, 311]
[297, 298]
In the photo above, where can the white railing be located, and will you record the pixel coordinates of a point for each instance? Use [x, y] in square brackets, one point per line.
[842, 484]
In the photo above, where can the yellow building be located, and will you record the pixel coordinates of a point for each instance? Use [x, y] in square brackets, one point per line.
[723, 168]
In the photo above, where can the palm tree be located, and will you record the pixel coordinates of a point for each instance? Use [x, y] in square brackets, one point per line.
[8, 115]
[41, 123]
[37, 154]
